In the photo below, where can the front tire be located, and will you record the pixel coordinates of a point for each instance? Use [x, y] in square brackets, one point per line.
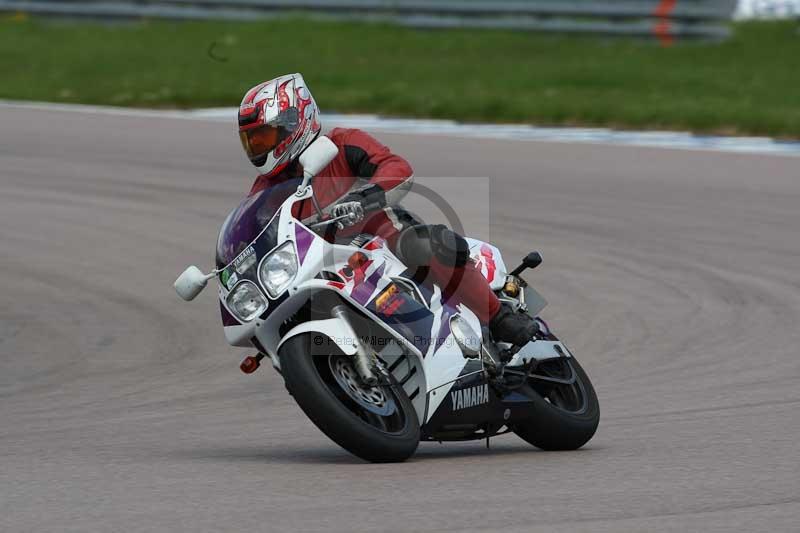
[378, 424]
[565, 416]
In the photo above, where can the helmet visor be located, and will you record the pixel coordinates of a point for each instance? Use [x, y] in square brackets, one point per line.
[260, 141]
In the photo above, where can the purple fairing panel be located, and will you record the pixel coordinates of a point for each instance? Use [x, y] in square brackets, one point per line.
[249, 218]
[362, 291]
[406, 316]
[303, 239]
[227, 318]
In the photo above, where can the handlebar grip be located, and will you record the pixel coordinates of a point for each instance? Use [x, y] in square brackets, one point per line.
[532, 260]
[517, 271]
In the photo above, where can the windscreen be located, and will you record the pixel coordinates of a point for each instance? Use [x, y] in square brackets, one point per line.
[245, 222]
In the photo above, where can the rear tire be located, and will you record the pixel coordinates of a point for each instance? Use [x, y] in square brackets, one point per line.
[559, 427]
[387, 433]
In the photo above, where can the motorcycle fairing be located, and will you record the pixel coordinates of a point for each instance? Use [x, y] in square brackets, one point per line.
[330, 327]
[245, 224]
[470, 408]
[489, 261]
[417, 319]
[242, 268]
[403, 314]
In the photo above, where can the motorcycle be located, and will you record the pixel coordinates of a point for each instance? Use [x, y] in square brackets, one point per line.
[376, 359]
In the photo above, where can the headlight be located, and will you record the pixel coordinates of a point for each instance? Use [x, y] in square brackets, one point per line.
[278, 269]
[245, 301]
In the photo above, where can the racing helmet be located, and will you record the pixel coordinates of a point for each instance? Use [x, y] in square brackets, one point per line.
[278, 119]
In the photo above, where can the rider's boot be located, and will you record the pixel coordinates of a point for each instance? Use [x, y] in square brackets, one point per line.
[512, 326]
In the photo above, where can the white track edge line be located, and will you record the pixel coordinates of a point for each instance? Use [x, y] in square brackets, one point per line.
[516, 132]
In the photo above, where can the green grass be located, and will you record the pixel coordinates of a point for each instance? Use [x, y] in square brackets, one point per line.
[749, 84]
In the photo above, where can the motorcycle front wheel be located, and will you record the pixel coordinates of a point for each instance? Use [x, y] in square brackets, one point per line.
[377, 424]
[566, 410]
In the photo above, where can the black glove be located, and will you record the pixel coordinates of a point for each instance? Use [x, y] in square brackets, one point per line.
[368, 196]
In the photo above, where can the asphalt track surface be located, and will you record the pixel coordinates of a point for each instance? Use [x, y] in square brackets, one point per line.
[674, 275]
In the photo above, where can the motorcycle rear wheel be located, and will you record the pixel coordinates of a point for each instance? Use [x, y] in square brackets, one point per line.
[377, 424]
[565, 416]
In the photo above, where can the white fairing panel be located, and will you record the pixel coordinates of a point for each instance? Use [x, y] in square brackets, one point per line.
[331, 328]
[444, 363]
[239, 335]
[490, 262]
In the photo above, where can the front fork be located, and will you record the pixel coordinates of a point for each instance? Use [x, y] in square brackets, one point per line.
[363, 360]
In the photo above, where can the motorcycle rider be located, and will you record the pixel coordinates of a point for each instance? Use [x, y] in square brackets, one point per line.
[278, 119]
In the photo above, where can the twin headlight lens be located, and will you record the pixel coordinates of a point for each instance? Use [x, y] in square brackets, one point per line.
[246, 301]
[278, 269]
[276, 272]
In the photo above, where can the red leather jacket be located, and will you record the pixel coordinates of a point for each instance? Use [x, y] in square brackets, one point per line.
[361, 160]
[360, 156]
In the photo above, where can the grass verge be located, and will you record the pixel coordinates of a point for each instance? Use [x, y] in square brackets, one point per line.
[749, 84]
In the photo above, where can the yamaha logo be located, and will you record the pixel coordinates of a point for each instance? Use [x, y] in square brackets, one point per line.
[470, 397]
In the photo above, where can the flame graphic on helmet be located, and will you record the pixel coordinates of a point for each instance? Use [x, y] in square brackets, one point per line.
[302, 103]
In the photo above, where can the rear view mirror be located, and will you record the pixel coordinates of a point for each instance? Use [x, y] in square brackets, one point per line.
[316, 157]
[191, 283]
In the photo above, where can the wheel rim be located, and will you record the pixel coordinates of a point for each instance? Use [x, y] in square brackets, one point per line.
[375, 405]
[371, 398]
[560, 385]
